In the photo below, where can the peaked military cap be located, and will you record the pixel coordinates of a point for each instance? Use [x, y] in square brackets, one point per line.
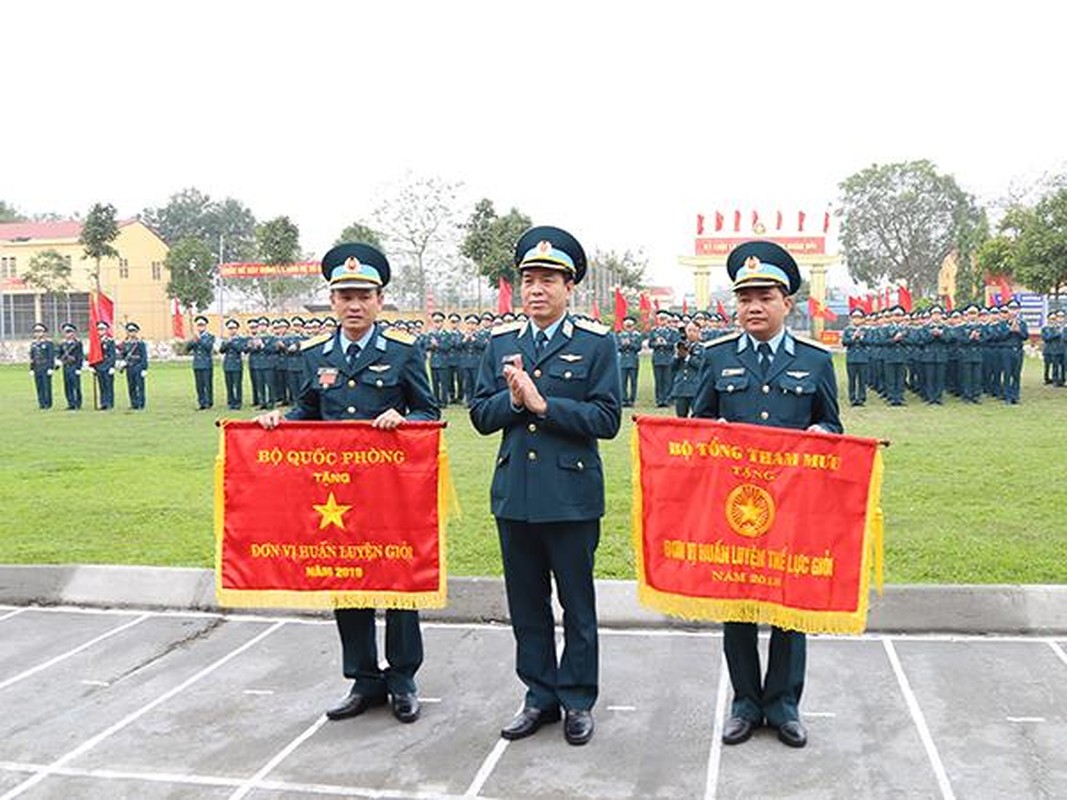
[232, 323]
[199, 318]
[355, 265]
[132, 327]
[857, 312]
[69, 327]
[760, 264]
[548, 247]
[40, 326]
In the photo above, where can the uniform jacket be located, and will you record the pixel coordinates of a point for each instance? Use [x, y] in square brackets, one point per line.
[857, 342]
[231, 349]
[42, 355]
[687, 370]
[135, 354]
[107, 360]
[202, 348]
[800, 388]
[662, 340]
[388, 373]
[71, 354]
[629, 346]
[548, 468]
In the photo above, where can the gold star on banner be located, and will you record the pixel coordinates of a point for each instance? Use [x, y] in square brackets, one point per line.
[332, 513]
[750, 512]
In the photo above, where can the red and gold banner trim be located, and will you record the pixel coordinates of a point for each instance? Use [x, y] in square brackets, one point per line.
[744, 523]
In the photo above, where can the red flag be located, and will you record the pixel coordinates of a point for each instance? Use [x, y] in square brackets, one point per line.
[853, 302]
[755, 219]
[644, 305]
[596, 310]
[685, 306]
[721, 309]
[177, 321]
[718, 220]
[503, 300]
[904, 298]
[700, 224]
[101, 309]
[814, 308]
[888, 299]
[868, 303]
[778, 222]
[655, 302]
[800, 221]
[826, 222]
[948, 302]
[1005, 289]
[620, 309]
[737, 221]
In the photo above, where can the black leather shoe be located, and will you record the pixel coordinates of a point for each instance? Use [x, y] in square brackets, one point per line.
[578, 726]
[354, 705]
[793, 733]
[737, 730]
[528, 721]
[406, 707]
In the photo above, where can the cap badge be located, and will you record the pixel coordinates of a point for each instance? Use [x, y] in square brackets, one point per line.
[752, 262]
[352, 264]
[544, 248]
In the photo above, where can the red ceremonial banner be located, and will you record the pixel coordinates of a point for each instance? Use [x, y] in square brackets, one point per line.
[744, 523]
[331, 515]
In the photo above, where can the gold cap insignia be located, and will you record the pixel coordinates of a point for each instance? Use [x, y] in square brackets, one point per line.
[544, 247]
[752, 262]
[352, 264]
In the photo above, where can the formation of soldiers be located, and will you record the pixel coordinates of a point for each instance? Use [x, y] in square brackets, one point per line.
[967, 352]
[129, 356]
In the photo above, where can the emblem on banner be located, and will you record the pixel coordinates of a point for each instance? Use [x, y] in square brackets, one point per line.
[749, 510]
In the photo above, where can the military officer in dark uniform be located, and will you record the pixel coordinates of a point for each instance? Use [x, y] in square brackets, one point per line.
[294, 359]
[551, 384]
[439, 345]
[1054, 339]
[857, 356]
[202, 349]
[366, 372]
[256, 347]
[764, 376]
[629, 341]
[42, 364]
[133, 358]
[662, 340]
[72, 357]
[1016, 336]
[105, 367]
[469, 357]
[688, 359]
[232, 348]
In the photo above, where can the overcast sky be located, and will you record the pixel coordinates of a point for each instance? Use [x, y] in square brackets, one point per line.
[619, 121]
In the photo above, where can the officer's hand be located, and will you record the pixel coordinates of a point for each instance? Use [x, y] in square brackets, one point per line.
[816, 428]
[511, 375]
[388, 420]
[269, 420]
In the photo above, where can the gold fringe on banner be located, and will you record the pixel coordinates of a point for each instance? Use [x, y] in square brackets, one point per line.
[447, 507]
[761, 611]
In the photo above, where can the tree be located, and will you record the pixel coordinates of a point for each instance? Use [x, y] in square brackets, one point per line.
[1041, 247]
[192, 273]
[358, 232]
[10, 213]
[490, 240]
[49, 271]
[98, 232]
[192, 214]
[901, 220]
[421, 228]
[608, 270]
[278, 244]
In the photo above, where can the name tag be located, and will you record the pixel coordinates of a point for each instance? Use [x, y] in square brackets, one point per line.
[732, 372]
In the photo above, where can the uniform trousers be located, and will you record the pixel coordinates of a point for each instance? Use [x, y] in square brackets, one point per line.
[776, 697]
[359, 650]
[629, 385]
[234, 389]
[534, 553]
[204, 378]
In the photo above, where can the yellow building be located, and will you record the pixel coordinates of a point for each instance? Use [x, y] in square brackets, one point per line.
[136, 280]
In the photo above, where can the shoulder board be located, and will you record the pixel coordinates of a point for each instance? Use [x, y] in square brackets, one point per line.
[398, 336]
[812, 343]
[730, 337]
[315, 340]
[591, 326]
[507, 327]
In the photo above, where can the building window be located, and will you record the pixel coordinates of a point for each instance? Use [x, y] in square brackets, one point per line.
[157, 271]
[7, 267]
[66, 259]
[124, 268]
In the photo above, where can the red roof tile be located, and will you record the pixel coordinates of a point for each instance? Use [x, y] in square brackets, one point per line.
[64, 229]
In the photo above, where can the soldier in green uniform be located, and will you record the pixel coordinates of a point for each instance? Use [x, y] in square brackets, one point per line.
[970, 339]
[202, 349]
[439, 346]
[366, 372]
[662, 340]
[688, 359]
[133, 360]
[894, 344]
[293, 359]
[72, 357]
[857, 356]
[42, 364]
[551, 385]
[1016, 335]
[628, 341]
[765, 376]
[232, 348]
[469, 357]
[1054, 346]
[105, 367]
[278, 350]
[257, 356]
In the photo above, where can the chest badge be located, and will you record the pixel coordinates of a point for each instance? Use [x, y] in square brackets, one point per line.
[732, 372]
[798, 374]
[570, 357]
[327, 377]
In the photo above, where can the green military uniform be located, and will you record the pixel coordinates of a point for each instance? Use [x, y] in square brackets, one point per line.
[42, 365]
[233, 349]
[72, 358]
[628, 341]
[202, 349]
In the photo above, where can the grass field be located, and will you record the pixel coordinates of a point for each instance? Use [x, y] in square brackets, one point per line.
[972, 494]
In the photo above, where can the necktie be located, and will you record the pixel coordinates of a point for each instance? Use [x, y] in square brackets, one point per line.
[765, 356]
[351, 353]
[540, 340]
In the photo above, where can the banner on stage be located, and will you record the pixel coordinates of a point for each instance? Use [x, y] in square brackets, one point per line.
[331, 515]
[744, 523]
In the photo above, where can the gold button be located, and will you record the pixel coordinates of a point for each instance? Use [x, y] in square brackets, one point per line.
[351, 409]
[537, 373]
[378, 383]
[763, 415]
[799, 390]
[730, 388]
[532, 456]
[766, 388]
[532, 428]
[567, 374]
[580, 466]
[351, 384]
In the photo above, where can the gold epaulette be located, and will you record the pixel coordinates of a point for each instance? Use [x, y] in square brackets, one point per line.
[307, 344]
[591, 326]
[398, 335]
[813, 343]
[730, 337]
[508, 327]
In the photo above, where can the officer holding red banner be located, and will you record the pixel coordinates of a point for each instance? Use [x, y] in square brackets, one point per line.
[364, 371]
[551, 384]
[763, 375]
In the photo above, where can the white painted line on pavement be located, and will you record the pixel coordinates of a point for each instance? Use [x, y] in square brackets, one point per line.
[11, 614]
[92, 742]
[828, 714]
[711, 781]
[87, 682]
[430, 700]
[920, 721]
[1058, 650]
[63, 656]
[259, 692]
[491, 760]
[1025, 719]
[622, 708]
[284, 753]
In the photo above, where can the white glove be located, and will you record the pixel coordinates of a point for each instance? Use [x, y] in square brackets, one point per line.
[59, 363]
[143, 374]
[50, 372]
[111, 371]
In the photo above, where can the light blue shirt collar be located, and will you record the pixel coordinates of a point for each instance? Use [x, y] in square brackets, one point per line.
[550, 331]
[775, 342]
[363, 342]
